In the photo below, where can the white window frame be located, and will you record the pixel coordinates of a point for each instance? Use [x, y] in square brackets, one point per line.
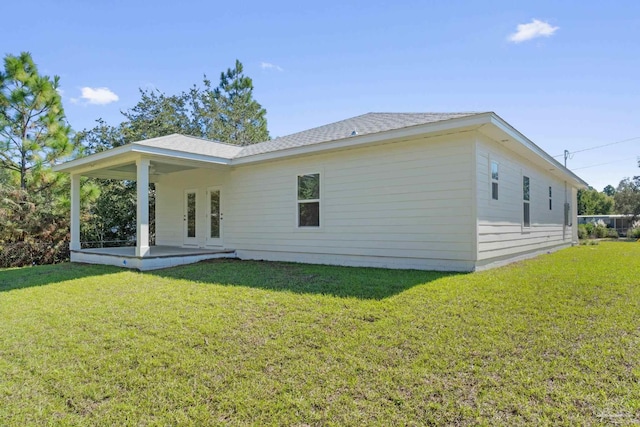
[299, 202]
[526, 202]
[494, 181]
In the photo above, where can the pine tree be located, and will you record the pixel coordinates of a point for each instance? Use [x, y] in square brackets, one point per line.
[237, 117]
[33, 130]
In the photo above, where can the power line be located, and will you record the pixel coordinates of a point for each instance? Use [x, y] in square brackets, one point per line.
[600, 164]
[600, 146]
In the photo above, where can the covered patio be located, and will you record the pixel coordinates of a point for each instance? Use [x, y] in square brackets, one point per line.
[144, 162]
[157, 256]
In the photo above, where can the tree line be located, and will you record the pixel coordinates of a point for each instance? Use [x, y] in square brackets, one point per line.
[623, 199]
[35, 134]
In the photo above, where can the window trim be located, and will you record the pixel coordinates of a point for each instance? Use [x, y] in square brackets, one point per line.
[526, 202]
[298, 202]
[495, 181]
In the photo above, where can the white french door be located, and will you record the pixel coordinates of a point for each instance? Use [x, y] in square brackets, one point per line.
[190, 217]
[214, 216]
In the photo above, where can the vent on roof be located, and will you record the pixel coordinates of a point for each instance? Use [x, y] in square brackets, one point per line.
[354, 133]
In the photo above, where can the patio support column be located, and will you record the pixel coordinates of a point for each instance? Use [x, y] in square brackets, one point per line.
[142, 214]
[74, 245]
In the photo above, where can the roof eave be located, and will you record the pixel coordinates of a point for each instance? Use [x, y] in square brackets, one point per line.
[96, 159]
[512, 132]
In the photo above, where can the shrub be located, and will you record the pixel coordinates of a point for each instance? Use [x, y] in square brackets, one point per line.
[634, 233]
[33, 252]
[600, 231]
[582, 232]
[34, 230]
[589, 227]
[611, 233]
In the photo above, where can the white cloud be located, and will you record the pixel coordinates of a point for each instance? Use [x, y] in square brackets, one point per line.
[532, 30]
[270, 66]
[97, 96]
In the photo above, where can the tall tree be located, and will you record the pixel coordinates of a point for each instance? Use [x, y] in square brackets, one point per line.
[627, 197]
[237, 118]
[33, 130]
[592, 202]
[609, 190]
[158, 114]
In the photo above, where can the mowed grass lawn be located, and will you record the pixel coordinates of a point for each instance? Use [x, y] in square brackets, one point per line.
[550, 341]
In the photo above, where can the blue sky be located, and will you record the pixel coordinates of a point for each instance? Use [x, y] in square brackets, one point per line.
[568, 77]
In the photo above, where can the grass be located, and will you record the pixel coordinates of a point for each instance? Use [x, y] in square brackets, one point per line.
[550, 341]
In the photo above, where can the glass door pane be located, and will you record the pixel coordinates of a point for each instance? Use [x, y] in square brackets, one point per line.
[191, 214]
[214, 203]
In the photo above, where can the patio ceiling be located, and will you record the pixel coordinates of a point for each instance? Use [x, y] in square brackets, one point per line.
[128, 170]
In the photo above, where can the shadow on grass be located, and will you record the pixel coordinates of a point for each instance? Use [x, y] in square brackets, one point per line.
[26, 277]
[356, 282]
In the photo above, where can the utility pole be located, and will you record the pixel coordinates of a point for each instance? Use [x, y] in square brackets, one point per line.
[566, 155]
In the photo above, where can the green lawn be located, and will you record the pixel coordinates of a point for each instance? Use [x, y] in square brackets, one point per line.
[550, 341]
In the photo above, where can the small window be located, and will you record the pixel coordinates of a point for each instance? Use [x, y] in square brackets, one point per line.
[309, 200]
[550, 199]
[494, 180]
[526, 217]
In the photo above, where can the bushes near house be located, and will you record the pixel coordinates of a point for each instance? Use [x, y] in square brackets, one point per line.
[33, 252]
[634, 233]
[598, 230]
[582, 232]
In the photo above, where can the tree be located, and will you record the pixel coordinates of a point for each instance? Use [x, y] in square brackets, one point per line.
[112, 215]
[237, 118]
[592, 202]
[158, 114]
[627, 197]
[609, 190]
[33, 131]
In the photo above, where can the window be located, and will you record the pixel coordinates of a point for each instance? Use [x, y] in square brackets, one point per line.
[309, 200]
[550, 199]
[526, 218]
[494, 180]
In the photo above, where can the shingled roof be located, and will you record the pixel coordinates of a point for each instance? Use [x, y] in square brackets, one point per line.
[192, 144]
[365, 124]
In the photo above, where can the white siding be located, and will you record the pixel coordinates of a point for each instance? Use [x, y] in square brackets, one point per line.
[406, 204]
[501, 233]
[170, 203]
[423, 203]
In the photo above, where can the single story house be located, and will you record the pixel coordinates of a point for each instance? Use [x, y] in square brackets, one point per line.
[433, 191]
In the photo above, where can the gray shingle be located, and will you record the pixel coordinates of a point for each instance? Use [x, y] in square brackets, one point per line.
[365, 124]
[191, 144]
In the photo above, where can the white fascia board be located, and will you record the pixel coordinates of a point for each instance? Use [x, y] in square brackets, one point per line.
[505, 127]
[95, 159]
[375, 138]
[72, 165]
[182, 155]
